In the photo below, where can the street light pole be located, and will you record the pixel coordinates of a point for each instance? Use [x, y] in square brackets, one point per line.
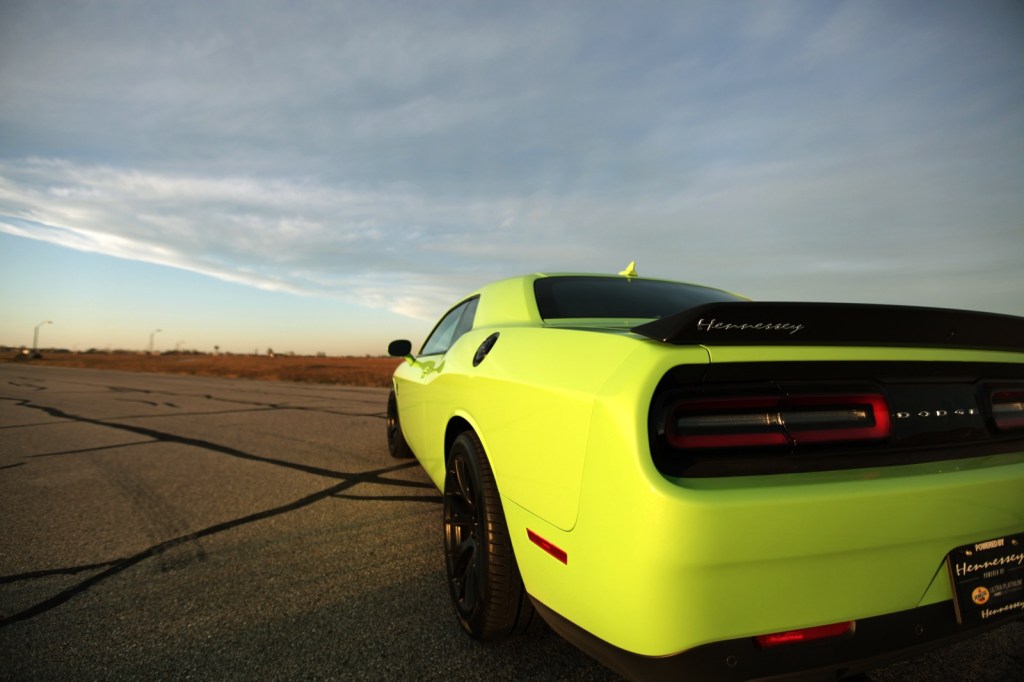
[151, 334]
[35, 337]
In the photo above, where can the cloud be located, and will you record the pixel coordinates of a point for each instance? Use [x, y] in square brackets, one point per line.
[279, 235]
[398, 155]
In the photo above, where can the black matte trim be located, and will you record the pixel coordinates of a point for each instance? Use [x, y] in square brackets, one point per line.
[876, 641]
[846, 324]
[884, 371]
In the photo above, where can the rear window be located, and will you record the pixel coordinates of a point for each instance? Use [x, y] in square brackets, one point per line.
[619, 297]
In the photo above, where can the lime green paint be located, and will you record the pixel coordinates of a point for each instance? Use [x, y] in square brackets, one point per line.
[659, 565]
[509, 304]
[678, 566]
[540, 427]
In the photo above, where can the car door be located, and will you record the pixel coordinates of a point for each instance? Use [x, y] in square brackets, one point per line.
[421, 398]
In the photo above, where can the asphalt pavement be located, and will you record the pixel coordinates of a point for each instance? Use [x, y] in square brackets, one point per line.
[168, 527]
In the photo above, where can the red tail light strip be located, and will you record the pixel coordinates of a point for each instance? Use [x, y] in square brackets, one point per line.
[760, 421]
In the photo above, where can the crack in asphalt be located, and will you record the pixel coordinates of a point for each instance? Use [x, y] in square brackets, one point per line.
[433, 499]
[121, 565]
[164, 437]
[34, 387]
[151, 403]
[65, 570]
[254, 407]
[112, 568]
[209, 396]
[101, 448]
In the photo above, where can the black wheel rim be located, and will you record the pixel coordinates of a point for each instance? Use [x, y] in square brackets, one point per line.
[462, 535]
[392, 423]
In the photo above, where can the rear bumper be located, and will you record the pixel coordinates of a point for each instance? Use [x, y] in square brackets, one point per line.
[876, 641]
[679, 568]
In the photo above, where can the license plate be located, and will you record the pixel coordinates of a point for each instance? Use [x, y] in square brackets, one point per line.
[988, 580]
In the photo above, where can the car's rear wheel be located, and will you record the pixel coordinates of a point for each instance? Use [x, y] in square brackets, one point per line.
[483, 578]
[396, 439]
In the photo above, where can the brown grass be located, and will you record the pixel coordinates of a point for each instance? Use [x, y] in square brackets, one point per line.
[349, 371]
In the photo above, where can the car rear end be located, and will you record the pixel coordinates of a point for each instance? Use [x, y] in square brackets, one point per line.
[790, 506]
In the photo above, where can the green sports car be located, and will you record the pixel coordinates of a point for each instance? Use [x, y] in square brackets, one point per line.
[688, 484]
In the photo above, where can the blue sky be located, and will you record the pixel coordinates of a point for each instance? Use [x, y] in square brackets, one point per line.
[326, 176]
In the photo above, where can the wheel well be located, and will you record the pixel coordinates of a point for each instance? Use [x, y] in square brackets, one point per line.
[456, 426]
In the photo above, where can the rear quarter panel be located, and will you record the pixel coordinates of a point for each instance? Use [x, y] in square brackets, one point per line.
[531, 402]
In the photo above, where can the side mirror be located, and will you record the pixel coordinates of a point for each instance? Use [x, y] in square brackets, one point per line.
[400, 349]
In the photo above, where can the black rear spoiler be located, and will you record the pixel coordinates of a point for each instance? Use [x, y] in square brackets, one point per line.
[847, 324]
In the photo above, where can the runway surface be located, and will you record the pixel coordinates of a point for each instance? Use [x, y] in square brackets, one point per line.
[167, 527]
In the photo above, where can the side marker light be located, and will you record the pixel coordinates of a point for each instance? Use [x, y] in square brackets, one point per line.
[548, 547]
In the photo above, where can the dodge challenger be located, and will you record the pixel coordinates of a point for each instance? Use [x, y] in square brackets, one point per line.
[687, 484]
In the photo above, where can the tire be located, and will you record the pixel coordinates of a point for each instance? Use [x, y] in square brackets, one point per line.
[483, 578]
[397, 446]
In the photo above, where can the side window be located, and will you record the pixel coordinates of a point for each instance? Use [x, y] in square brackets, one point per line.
[466, 321]
[457, 322]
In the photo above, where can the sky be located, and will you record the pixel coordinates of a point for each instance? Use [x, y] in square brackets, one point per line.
[328, 176]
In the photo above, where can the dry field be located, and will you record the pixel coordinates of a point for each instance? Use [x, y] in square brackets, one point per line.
[349, 371]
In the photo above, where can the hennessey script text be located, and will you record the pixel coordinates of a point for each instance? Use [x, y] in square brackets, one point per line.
[964, 569]
[712, 325]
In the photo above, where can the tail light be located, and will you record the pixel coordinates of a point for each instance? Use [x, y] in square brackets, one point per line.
[1008, 409]
[806, 634]
[781, 420]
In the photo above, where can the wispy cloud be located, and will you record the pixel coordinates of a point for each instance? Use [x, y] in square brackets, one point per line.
[280, 235]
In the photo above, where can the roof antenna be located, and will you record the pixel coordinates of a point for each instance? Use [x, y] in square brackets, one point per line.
[630, 270]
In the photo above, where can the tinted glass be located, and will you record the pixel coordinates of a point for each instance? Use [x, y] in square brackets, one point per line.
[457, 322]
[466, 321]
[619, 297]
